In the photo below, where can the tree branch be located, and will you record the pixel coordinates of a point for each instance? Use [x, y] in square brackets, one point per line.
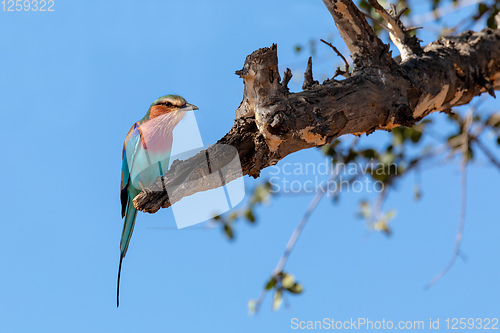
[272, 123]
[408, 45]
[345, 72]
[367, 50]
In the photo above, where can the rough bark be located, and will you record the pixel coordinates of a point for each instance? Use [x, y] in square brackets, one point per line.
[272, 123]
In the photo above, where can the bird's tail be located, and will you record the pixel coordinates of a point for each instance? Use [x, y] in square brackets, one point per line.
[128, 228]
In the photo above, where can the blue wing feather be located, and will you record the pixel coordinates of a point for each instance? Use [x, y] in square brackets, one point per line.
[127, 194]
[140, 167]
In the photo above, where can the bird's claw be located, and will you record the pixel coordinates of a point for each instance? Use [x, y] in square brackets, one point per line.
[144, 188]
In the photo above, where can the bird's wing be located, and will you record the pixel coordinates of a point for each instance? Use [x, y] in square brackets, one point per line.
[129, 147]
[146, 153]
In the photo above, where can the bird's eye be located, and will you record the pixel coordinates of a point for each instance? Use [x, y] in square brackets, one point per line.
[168, 104]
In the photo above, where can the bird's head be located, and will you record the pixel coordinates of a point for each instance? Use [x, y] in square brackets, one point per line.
[169, 103]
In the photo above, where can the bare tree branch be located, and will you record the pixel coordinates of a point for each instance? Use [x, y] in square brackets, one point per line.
[465, 138]
[345, 72]
[308, 76]
[366, 48]
[487, 152]
[408, 45]
[272, 123]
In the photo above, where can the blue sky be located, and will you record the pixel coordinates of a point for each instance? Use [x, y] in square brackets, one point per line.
[72, 83]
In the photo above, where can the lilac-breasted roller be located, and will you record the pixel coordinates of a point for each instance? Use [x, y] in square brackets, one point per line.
[146, 154]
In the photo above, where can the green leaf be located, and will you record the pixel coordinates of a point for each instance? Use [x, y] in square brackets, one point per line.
[335, 143]
[415, 136]
[398, 136]
[369, 153]
[382, 226]
[296, 288]
[351, 156]
[482, 8]
[363, 4]
[261, 193]
[252, 307]
[271, 283]
[435, 5]
[365, 210]
[228, 231]
[390, 214]
[249, 215]
[388, 158]
[378, 173]
[277, 300]
[287, 281]
[383, 223]
[328, 150]
[491, 22]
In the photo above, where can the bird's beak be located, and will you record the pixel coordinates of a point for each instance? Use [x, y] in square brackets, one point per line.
[189, 107]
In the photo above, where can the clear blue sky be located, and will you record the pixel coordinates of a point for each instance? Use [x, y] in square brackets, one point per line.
[74, 80]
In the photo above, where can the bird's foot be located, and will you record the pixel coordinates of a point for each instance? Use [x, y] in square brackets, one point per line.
[144, 188]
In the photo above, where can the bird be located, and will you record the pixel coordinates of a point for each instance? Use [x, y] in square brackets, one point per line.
[145, 157]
